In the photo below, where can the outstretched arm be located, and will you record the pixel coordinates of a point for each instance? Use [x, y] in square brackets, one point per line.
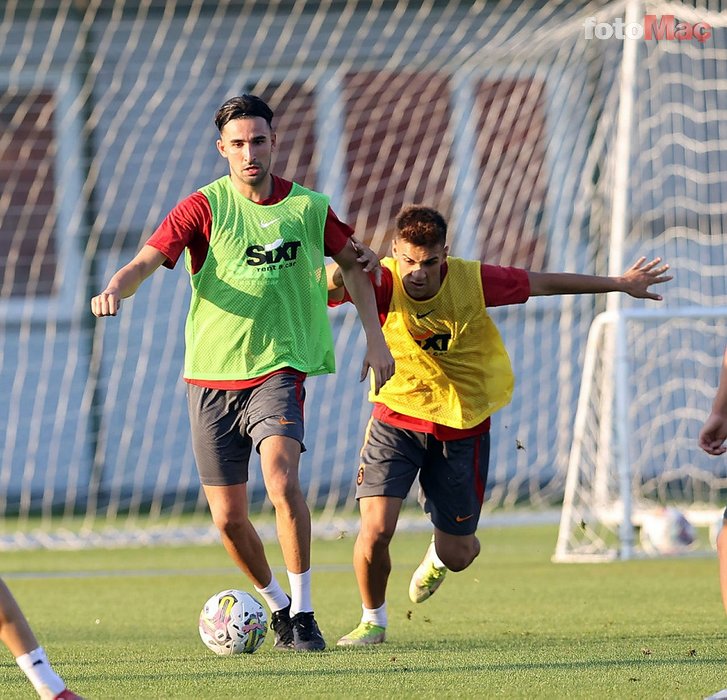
[126, 281]
[714, 431]
[635, 281]
[378, 357]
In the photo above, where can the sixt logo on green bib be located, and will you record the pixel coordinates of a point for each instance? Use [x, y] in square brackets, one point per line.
[276, 252]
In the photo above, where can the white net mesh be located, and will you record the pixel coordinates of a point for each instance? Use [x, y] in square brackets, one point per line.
[500, 114]
[643, 402]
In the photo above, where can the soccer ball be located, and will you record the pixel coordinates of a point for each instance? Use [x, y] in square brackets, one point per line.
[233, 622]
[666, 532]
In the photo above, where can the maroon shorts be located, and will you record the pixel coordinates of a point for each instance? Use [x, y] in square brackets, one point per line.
[227, 424]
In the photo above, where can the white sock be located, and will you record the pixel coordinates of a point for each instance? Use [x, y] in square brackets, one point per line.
[376, 616]
[37, 668]
[300, 592]
[274, 595]
[434, 558]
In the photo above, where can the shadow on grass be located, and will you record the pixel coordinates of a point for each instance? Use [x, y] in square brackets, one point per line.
[391, 665]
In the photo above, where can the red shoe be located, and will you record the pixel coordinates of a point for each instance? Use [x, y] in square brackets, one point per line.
[67, 695]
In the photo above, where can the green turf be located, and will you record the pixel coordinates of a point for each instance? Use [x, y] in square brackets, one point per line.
[513, 625]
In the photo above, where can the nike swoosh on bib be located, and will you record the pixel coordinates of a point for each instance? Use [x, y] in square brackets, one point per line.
[269, 223]
[426, 313]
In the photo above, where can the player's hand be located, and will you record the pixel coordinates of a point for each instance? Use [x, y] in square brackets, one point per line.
[713, 434]
[367, 259]
[641, 275]
[381, 362]
[106, 304]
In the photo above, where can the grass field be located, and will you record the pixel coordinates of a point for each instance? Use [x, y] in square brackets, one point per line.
[122, 624]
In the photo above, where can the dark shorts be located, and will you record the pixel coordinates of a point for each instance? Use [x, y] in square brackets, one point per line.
[452, 474]
[227, 424]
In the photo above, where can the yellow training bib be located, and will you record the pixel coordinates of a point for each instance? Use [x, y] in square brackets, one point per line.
[452, 367]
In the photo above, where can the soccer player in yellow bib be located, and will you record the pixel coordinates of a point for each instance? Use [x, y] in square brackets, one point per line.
[432, 418]
[254, 246]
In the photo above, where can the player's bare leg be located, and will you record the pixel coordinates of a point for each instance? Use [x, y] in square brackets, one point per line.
[457, 552]
[15, 631]
[445, 553]
[372, 564]
[371, 558]
[228, 505]
[279, 457]
[722, 557]
[18, 637]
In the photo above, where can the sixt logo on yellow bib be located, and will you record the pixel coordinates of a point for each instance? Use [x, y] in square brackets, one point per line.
[273, 253]
[434, 343]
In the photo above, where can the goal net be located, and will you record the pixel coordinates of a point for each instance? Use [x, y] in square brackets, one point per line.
[634, 444]
[650, 374]
[503, 115]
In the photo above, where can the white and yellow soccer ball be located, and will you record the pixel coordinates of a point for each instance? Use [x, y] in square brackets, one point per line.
[233, 622]
[666, 531]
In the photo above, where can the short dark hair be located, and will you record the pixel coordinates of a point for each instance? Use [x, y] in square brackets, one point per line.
[241, 107]
[421, 226]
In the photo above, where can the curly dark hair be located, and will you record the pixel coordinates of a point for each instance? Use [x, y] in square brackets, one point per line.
[240, 107]
[421, 226]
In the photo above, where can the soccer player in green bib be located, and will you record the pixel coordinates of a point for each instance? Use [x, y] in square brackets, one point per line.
[254, 247]
[432, 419]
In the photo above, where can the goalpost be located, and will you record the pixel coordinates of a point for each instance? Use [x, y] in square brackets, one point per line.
[634, 435]
[511, 117]
[634, 440]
